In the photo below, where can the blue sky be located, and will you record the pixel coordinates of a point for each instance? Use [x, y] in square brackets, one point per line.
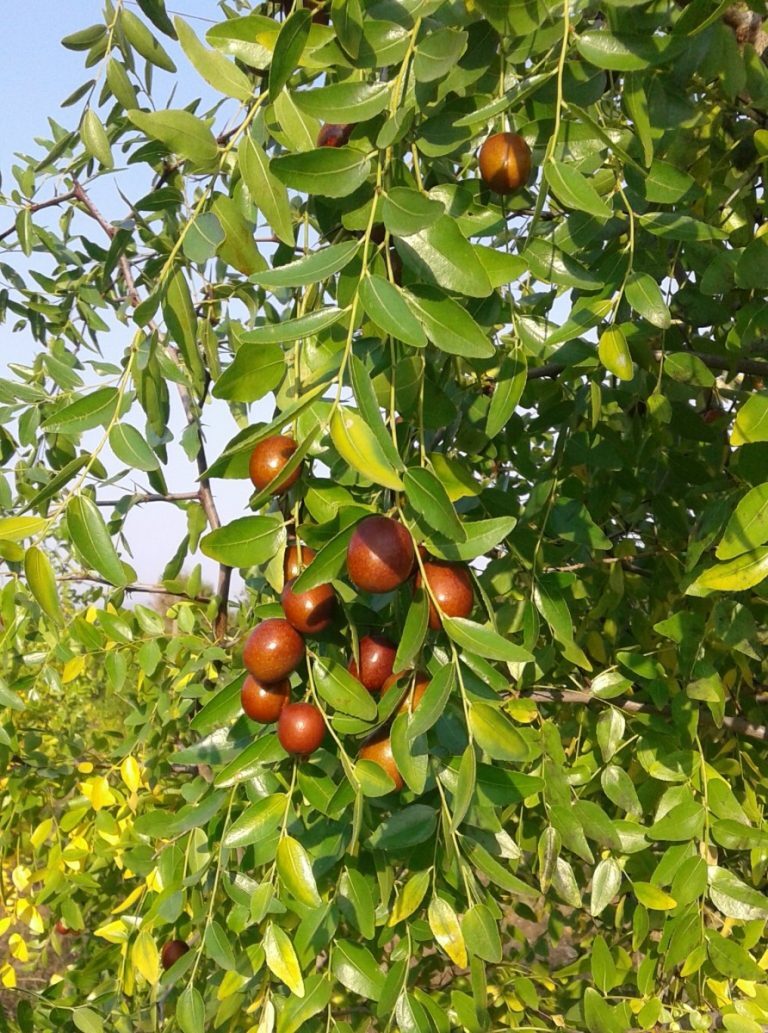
[36, 74]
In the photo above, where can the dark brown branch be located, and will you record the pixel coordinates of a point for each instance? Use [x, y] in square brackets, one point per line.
[754, 367]
[38, 207]
[182, 496]
[135, 587]
[204, 493]
[630, 706]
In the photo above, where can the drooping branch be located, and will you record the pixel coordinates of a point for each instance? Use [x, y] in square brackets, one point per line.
[630, 706]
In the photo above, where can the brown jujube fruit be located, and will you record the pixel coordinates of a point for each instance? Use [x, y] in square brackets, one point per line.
[310, 611]
[377, 659]
[505, 162]
[451, 585]
[273, 650]
[412, 698]
[379, 749]
[268, 459]
[300, 729]
[64, 930]
[291, 565]
[264, 702]
[334, 135]
[172, 951]
[380, 554]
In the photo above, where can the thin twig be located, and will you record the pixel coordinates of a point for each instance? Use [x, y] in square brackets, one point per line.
[181, 496]
[720, 363]
[135, 586]
[110, 230]
[38, 207]
[631, 706]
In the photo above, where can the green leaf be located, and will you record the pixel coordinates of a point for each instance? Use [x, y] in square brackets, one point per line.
[385, 304]
[15, 529]
[465, 786]
[190, 1011]
[409, 897]
[245, 542]
[356, 969]
[317, 266]
[42, 582]
[238, 248]
[645, 297]
[289, 47]
[747, 527]
[444, 923]
[249, 762]
[92, 540]
[625, 52]
[218, 947]
[329, 561]
[508, 390]
[142, 40]
[218, 72]
[735, 575]
[203, 239]
[355, 888]
[481, 537]
[495, 734]
[551, 265]
[406, 211]
[484, 641]
[405, 828]
[254, 372]
[447, 324]
[295, 870]
[653, 897]
[181, 132]
[444, 257]
[342, 103]
[343, 692]
[414, 631]
[324, 171]
[281, 959]
[87, 1020]
[92, 410]
[258, 821]
[266, 191]
[606, 883]
[574, 190]
[95, 139]
[429, 498]
[359, 447]
[481, 934]
[433, 702]
[297, 1012]
[731, 959]
[294, 329]
[367, 403]
[614, 353]
[751, 421]
[734, 898]
[131, 448]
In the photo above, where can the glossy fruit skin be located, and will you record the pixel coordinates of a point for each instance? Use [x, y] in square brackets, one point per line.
[300, 729]
[377, 661]
[505, 162]
[273, 650]
[413, 697]
[291, 565]
[269, 458]
[451, 585]
[64, 930]
[264, 702]
[172, 951]
[333, 134]
[380, 555]
[310, 611]
[379, 749]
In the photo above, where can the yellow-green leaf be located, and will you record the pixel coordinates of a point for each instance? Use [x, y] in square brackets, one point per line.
[13, 529]
[751, 421]
[42, 582]
[95, 139]
[614, 353]
[409, 897]
[652, 897]
[281, 959]
[145, 957]
[218, 72]
[357, 445]
[445, 927]
[734, 576]
[295, 869]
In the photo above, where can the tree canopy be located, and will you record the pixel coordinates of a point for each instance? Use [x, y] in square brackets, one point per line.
[553, 383]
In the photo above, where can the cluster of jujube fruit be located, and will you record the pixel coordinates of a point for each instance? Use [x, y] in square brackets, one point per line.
[381, 556]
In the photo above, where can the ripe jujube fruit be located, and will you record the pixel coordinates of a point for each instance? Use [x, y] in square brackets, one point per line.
[267, 461]
[64, 930]
[334, 135]
[263, 702]
[377, 659]
[310, 611]
[505, 162]
[300, 729]
[379, 749]
[292, 566]
[380, 554]
[273, 650]
[172, 951]
[412, 698]
[451, 585]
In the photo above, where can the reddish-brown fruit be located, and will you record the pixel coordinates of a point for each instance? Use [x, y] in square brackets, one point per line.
[333, 135]
[379, 749]
[292, 567]
[711, 415]
[413, 697]
[172, 951]
[505, 162]
[300, 729]
[377, 660]
[380, 554]
[273, 650]
[269, 458]
[263, 703]
[310, 611]
[64, 930]
[451, 585]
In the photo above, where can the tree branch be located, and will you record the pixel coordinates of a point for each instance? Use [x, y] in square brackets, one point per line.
[136, 586]
[754, 367]
[39, 206]
[630, 706]
[182, 496]
[109, 229]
